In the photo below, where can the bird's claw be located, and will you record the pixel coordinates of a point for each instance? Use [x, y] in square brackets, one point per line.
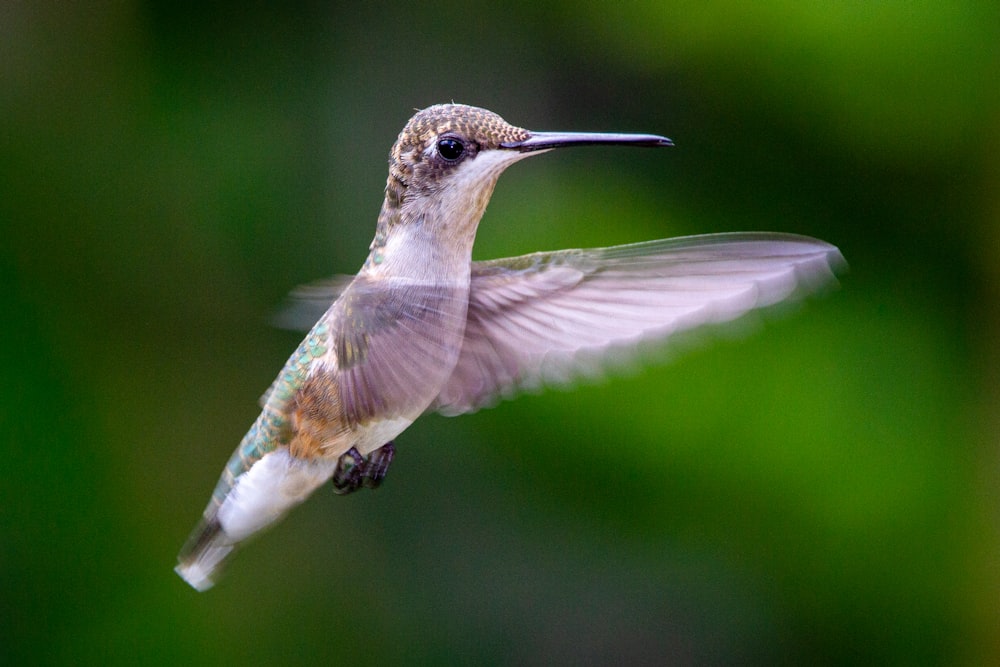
[348, 474]
[377, 465]
[354, 471]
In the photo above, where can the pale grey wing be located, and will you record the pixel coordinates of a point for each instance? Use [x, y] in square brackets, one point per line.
[395, 343]
[307, 303]
[552, 317]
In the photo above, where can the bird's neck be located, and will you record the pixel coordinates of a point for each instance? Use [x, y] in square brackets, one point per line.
[425, 238]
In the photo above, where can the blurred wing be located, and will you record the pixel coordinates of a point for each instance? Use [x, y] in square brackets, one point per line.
[551, 317]
[383, 349]
[307, 303]
[395, 344]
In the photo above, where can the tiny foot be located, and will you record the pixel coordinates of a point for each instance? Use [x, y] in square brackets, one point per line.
[377, 465]
[348, 476]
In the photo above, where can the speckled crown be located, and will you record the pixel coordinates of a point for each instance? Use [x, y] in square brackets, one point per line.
[485, 128]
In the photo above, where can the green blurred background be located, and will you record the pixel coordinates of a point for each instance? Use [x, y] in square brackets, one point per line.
[821, 489]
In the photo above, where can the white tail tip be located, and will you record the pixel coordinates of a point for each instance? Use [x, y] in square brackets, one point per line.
[201, 572]
[202, 557]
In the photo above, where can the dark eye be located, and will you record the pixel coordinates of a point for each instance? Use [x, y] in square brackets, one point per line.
[450, 148]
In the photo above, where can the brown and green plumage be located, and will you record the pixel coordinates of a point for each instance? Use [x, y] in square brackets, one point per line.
[423, 327]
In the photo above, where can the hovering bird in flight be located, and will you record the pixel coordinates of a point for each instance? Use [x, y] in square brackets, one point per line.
[422, 327]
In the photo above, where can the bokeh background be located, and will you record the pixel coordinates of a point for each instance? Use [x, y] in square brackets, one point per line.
[821, 488]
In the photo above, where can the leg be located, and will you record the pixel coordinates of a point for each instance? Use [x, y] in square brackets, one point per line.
[377, 465]
[348, 475]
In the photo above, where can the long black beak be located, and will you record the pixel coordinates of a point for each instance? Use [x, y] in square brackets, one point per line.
[541, 141]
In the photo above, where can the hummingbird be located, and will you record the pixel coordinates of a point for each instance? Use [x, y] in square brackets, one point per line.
[423, 328]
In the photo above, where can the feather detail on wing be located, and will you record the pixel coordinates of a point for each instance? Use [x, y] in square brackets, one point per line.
[551, 317]
[388, 346]
[396, 345]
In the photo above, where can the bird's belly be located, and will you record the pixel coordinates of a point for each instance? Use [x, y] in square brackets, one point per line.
[279, 481]
[378, 433]
[269, 489]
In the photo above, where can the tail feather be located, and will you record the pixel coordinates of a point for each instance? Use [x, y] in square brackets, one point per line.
[204, 555]
[257, 498]
[261, 481]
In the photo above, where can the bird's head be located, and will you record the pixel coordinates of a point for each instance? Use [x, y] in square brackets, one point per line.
[446, 161]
